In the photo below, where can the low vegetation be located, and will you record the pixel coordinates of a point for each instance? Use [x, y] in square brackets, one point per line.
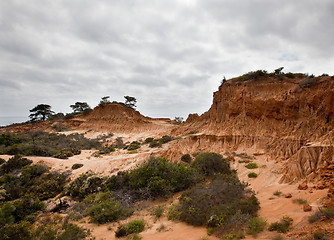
[299, 201]
[322, 214]
[40, 143]
[252, 175]
[255, 226]
[132, 227]
[282, 226]
[251, 166]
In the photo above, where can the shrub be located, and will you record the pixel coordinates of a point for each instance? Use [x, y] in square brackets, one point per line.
[157, 212]
[14, 163]
[40, 143]
[251, 166]
[84, 185]
[210, 163]
[322, 213]
[133, 146]
[277, 193]
[134, 226]
[155, 143]
[148, 140]
[299, 201]
[2, 161]
[186, 158]
[256, 225]
[77, 165]
[252, 175]
[224, 204]
[282, 226]
[318, 235]
[308, 82]
[105, 209]
[155, 177]
[166, 139]
[19, 230]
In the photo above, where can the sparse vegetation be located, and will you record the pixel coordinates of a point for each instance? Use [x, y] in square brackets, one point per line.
[255, 226]
[252, 175]
[251, 166]
[178, 120]
[77, 165]
[40, 143]
[134, 226]
[157, 212]
[299, 201]
[277, 193]
[319, 235]
[282, 226]
[322, 214]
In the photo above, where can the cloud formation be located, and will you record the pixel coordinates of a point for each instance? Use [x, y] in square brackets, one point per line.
[170, 55]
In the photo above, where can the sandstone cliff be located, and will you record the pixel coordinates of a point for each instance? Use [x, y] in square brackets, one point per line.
[292, 119]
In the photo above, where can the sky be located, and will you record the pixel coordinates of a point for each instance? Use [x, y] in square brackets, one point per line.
[170, 55]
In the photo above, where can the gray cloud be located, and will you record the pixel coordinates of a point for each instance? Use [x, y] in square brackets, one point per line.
[170, 55]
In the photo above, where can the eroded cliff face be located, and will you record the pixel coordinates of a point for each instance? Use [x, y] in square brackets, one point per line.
[290, 119]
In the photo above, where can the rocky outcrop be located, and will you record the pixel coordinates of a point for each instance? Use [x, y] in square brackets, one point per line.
[118, 118]
[289, 119]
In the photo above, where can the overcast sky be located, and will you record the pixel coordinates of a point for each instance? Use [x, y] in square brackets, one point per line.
[170, 55]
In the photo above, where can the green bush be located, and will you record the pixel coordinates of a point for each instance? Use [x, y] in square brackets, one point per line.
[155, 177]
[223, 204]
[20, 231]
[256, 225]
[282, 226]
[134, 226]
[105, 208]
[251, 166]
[84, 185]
[252, 175]
[186, 158]
[14, 163]
[157, 212]
[155, 143]
[210, 163]
[133, 146]
[148, 140]
[166, 139]
[77, 165]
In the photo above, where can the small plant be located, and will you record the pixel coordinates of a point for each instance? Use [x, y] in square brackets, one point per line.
[318, 235]
[256, 225]
[251, 166]
[322, 214]
[277, 193]
[278, 237]
[77, 165]
[234, 236]
[157, 212]
[282, 226]
[133, 146]
[148, 140]
[161, 227]
[252, 175]
[134, 226]
[186, 158]
[134, 236]
[299, 201]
